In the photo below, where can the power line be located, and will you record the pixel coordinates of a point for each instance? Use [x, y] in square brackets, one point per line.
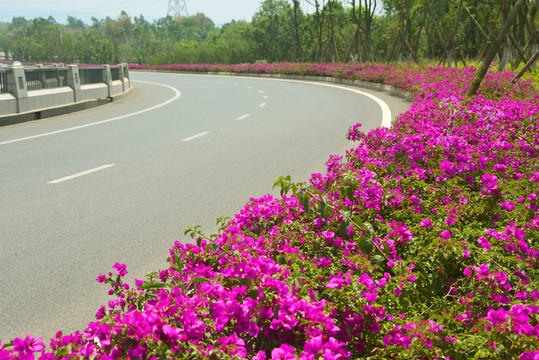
[50, 6]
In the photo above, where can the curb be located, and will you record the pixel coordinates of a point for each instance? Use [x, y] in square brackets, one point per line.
[406, 95]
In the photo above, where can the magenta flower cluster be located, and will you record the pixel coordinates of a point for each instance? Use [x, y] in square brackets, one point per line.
[421, 243]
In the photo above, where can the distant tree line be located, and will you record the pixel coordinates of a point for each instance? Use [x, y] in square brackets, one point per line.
[447, 31]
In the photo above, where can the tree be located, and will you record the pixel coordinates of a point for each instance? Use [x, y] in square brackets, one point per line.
[273, 31]
[18, 22]
[74, 23]
[480, 73]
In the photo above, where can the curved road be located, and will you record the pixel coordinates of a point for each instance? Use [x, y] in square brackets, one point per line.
[119, 183]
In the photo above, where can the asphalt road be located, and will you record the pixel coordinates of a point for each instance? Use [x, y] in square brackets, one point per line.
[120, 183]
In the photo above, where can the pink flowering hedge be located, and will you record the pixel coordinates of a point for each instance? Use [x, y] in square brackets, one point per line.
[422, 243]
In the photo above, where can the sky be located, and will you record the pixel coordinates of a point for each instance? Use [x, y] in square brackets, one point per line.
[220, 11]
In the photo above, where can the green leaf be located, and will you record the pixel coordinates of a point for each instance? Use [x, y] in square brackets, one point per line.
[175, 267]
[285, 183]
[199, 279]
[358, 221]
[322, 208]
[377, 259]
[178, 260]
[349, 331]
[149, 286]
[350, 192]
[369, 227]
[366, 244]
[343, 229]
[253, 294]
[304, 199]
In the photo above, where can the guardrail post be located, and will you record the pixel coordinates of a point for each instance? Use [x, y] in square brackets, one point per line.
[121, 72]
[107, 77]
[17, 85]
[73, 79]
[126, 75]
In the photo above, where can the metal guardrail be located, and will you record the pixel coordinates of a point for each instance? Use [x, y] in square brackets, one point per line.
[3, 81]
[115, 73]
[91, 75]
[55, 77]
[23, 83]
[46, 78]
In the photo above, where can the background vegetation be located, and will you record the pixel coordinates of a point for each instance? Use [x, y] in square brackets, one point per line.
[337, 31]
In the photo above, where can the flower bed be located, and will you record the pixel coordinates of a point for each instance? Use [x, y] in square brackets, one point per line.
[421, 243]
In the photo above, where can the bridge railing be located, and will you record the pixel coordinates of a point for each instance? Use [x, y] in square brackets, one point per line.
[4, 89]
[91, 75]
[46, 78]
[27, 89]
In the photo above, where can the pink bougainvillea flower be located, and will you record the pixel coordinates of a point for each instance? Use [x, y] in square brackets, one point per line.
[529, 355]
[446, 234]
[446, 166]
[496, 317]
[426, 223]
[120, 269]
[261, 355]
[28, 345]
[490, 183]
[283, 352]
[313, 346]
[483, 241]
[508, 205]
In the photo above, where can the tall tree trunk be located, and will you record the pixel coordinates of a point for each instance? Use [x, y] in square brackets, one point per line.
[353, 3]
[319, 30]
[296, 27]
[355, 45]
[369, 9]
[534, 38]
[506, 45]
[402, 31]
[480, 73]
[359, 44]
[332, 41]
[526, 67]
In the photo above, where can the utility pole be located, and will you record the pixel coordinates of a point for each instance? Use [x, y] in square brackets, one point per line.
[177, 8]
[61, 47]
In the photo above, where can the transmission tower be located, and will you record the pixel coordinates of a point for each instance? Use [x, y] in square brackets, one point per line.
[177, 8]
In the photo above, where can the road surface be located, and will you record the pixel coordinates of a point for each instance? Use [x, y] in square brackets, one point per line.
[120, 183]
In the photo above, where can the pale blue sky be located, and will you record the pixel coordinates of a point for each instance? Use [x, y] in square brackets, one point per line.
[220, 11]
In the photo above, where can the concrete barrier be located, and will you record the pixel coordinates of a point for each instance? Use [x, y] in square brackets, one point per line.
[31, 93]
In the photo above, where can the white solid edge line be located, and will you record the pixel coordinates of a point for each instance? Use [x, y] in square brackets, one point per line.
[386, 111]
[243, 117]
[177, 94]
[196, 136]
[57, 181]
